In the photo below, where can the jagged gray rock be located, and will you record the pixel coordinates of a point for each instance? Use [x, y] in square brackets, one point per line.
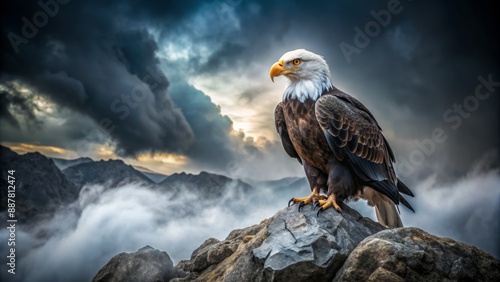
[147, 264]
[211, 252]
[410, 254]
[290, 246]
[302, 246]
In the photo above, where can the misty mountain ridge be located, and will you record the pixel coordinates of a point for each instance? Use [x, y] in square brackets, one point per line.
[65, 163]
[113, 173]
[47, 188]
[154, 176]
[144, 169]
[276, 182]
[204, 184]
[41, 188]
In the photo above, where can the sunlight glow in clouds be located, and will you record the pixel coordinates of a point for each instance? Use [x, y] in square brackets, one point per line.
[164, 158]
[255, 117]
[50, 151]
[163, 163]
[193, 39]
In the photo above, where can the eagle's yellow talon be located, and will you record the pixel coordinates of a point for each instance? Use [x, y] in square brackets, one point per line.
[315, 196]
[331, 201]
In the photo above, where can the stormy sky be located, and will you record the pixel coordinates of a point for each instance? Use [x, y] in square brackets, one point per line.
[184, 85]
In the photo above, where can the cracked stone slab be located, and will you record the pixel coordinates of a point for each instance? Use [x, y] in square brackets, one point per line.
[302, 246]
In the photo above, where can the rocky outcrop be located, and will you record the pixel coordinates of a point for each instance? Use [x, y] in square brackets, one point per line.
[147, 264]
[410, 254]
[291, 246]
[301, 246]
[210, 260]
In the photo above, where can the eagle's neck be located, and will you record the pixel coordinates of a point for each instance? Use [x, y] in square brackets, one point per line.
[310, 88]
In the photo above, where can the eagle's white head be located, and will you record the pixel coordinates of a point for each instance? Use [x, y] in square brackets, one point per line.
[308, 74]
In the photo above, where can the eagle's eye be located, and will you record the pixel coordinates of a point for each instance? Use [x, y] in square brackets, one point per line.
[297, 62]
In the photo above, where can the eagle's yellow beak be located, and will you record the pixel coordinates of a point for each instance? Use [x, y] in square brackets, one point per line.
[277, 69]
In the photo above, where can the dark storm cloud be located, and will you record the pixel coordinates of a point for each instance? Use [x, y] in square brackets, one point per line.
[97, 59]
[213, 143]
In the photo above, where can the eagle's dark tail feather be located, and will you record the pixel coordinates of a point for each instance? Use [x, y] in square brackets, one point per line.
[387, 188]
[402, 188]
[405, 203]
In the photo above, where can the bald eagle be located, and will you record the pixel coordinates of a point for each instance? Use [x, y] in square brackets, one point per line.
[337, 140]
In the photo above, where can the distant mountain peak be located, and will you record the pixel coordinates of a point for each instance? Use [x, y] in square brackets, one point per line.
[65, 163]
[205, 184]
[111, 161]
[154, 176]
[112, 172]
[144, 169]
[39, 183]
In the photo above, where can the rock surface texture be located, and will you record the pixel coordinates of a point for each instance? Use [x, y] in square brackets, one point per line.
[300, 246]
[410, 254]
[147, 264]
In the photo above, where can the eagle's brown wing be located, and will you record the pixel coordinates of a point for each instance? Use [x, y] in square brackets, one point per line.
[279, 119]
[354, 136]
